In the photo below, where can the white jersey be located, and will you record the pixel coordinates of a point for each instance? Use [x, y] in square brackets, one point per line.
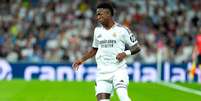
[110, 43]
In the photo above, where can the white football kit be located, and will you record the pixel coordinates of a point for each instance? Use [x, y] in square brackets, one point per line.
[110, 72]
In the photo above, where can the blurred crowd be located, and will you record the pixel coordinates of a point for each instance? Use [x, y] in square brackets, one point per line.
[62, 30]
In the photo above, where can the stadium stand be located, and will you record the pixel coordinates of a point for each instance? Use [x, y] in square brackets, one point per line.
[60, 30]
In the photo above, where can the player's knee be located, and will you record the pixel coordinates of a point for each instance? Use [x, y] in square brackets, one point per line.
[103, 97]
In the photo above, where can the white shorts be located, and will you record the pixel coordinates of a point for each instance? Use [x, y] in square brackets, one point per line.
[106, 83]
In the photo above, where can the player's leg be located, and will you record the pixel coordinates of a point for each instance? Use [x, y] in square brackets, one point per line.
[122, 94]
[120, 84]
[103, 90]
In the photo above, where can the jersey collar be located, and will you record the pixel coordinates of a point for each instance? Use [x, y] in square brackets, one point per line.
[115, 24]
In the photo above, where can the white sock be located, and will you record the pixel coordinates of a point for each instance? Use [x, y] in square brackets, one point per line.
[122, 94]
[105, 100]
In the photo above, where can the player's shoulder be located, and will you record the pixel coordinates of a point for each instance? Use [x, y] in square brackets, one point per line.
[122, 27]
[118, 25]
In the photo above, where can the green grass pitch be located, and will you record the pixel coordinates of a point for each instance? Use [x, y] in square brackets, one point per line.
[19, 90]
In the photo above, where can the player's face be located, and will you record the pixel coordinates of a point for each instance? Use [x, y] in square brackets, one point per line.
[102, 15]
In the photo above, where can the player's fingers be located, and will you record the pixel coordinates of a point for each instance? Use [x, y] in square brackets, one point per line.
[119, 57]
[75, 66]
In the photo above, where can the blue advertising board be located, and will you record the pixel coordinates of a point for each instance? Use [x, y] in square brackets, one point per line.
[138, 72]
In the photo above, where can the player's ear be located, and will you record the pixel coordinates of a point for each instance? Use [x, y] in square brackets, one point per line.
[108, 12]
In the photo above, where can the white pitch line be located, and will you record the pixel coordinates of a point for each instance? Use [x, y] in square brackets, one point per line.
[181, 88]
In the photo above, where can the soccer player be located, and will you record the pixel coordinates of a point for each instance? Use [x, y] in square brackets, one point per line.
[110, 39]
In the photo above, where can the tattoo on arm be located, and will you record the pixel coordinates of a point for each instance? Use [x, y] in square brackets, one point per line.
[135, 49]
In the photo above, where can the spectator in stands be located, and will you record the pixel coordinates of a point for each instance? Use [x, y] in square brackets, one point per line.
[45, 19]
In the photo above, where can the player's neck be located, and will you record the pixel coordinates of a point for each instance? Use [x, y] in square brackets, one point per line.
[109, 25]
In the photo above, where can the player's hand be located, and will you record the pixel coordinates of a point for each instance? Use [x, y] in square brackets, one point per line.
[76, 64]
[120, 56]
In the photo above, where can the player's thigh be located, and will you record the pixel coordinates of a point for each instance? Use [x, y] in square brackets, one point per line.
[121, 78]
[104, 87]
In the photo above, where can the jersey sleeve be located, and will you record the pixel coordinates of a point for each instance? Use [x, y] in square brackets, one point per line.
[95, 41]
[129, 37]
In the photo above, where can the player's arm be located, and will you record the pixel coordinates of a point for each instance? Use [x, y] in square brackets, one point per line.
[87, 55]
[134, 46]
[134, 49]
